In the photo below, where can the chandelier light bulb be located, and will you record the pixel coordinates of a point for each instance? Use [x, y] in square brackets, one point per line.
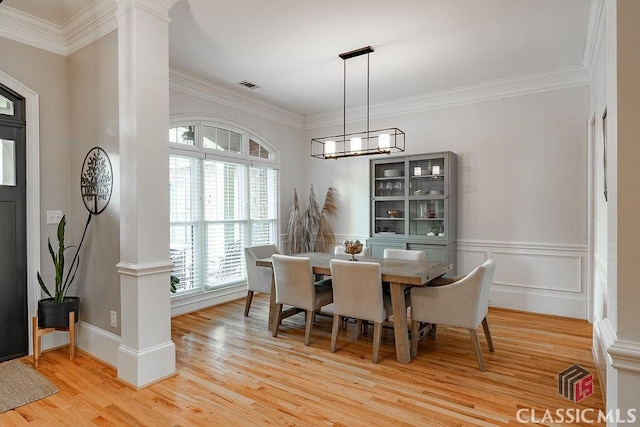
[330, 148]
[384, 141]
[356, 144]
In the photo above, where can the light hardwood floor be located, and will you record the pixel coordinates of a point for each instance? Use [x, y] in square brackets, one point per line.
[232, 372]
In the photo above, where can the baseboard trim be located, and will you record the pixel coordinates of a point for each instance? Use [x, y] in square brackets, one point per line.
[98, 343]
[191, 303]
[557, 304]
[141, 368]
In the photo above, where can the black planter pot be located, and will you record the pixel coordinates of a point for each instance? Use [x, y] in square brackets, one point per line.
[56, 315]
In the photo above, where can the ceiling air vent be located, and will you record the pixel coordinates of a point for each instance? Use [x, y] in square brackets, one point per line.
[248, 84]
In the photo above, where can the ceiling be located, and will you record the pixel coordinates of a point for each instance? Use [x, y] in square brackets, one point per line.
[289, 48]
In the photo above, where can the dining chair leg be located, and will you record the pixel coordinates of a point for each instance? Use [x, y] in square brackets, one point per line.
[359, 327]
[415, 337]
[309, 324]
[377, 337]
[277, 319]
[334, 331]
[433, 332]
[247, 303]
[487, 333]
[476, 347]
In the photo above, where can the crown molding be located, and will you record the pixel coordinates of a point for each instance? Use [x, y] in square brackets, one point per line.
[561, 78]
[157, 8]
[92, 23]
[189, 84]
[86, 27]
[29, 30]
[595, 33]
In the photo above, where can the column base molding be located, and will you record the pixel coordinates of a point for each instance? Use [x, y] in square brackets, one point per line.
[140, 369]
[625, 356]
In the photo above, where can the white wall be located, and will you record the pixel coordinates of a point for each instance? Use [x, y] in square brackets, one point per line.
[94, 122]
[46, 75]
[522, 174]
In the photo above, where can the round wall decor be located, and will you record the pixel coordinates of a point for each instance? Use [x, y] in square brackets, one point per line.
[96, 180]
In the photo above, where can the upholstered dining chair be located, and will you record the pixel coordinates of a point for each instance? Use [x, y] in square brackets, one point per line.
[258, 278]
[462, 303]
[408, 254]
[295, 287]
[357, 293]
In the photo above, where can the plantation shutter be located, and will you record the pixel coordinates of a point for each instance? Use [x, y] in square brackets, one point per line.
[263, 187]
[184, 218]
[225, 218]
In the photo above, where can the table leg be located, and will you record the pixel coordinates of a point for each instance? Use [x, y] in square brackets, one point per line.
[272, 304]
[400, 328]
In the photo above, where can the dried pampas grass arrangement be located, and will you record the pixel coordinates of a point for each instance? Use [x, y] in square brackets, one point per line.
[311, 232]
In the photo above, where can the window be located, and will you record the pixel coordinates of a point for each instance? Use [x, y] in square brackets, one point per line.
[223, 197]
[6, 106]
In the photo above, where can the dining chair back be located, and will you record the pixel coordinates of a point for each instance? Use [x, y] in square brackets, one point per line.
[258, 278]
[463, 303]
[407, 254]
[295, 286]
[357, 293]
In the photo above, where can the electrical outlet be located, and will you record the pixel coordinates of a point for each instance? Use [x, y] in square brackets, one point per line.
[54, 217]
[114, 319]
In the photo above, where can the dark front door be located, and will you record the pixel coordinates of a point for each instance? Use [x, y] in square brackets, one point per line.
[14, 332]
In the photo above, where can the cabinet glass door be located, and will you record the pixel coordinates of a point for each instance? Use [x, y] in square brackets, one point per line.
[428, 198]
[427, 177]
[389, 193]
[427, 217]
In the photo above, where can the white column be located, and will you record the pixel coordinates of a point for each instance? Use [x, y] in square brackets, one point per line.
[146, 353]
[623, 110]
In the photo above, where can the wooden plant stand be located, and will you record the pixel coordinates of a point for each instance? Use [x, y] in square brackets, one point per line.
[39, 332]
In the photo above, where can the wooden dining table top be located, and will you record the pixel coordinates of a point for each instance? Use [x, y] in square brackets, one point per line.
[414, 273]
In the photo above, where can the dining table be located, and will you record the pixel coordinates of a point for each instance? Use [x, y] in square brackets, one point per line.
[400, 274]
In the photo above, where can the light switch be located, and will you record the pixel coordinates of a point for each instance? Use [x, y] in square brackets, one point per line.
[54, 217]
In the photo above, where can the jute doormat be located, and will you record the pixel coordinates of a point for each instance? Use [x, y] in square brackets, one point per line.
[21, 384]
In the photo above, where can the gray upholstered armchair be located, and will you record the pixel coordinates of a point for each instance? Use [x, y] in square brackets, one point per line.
[463, 303]
[258, 278]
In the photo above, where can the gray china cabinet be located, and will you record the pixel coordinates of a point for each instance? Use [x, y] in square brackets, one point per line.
[413, 205]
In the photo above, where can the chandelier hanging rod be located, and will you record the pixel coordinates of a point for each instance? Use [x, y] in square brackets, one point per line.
[333, 147]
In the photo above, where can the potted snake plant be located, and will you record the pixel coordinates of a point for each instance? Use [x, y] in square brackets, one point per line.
[53, 312]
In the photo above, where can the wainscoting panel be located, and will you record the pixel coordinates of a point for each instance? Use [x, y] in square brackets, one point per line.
[557, 272]
[542, 278]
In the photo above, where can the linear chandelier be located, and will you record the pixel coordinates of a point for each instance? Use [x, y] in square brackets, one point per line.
[380, 141]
